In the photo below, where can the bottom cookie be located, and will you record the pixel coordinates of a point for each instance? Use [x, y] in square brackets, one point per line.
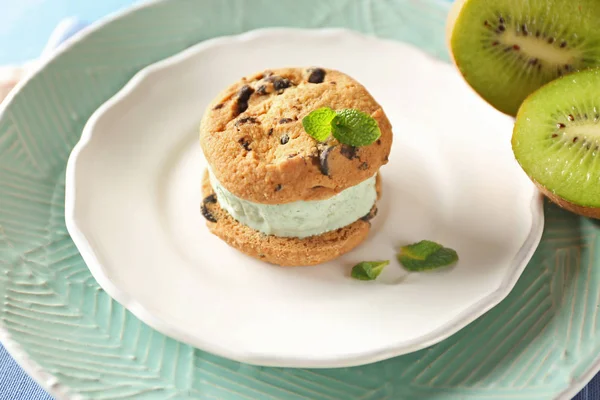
[282, 251]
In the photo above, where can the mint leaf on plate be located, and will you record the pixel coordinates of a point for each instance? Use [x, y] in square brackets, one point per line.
[426, 255]
[318, 123]
[349, 126]
[368, 270]
[355, 128]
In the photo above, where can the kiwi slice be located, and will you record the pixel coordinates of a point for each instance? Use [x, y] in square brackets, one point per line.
[556, 140]
[507, 49]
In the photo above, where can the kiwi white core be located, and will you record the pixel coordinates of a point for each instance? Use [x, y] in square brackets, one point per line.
[583, 132]
[538, 48]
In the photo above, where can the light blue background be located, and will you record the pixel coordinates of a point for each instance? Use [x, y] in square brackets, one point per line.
[25, 26]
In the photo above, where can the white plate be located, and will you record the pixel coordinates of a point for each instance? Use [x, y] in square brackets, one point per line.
[133, 196]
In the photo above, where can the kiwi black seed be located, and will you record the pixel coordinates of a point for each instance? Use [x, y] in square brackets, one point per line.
[557, 143]
[507, 49]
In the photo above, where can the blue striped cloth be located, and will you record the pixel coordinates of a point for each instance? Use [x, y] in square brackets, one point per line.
[16, 385]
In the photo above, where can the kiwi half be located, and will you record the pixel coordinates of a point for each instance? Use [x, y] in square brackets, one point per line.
[556, 140]
[507, 49]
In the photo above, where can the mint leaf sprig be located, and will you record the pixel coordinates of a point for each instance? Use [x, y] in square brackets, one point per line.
[349, 126]
[422, 256]
[426, 255]
[368, 270]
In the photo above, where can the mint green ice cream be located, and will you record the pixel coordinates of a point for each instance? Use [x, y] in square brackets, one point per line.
[300, 219]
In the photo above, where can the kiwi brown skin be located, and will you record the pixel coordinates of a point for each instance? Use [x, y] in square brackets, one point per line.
[589, 212]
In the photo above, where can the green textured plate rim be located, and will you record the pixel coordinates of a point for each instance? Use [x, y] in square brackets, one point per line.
[568, 240]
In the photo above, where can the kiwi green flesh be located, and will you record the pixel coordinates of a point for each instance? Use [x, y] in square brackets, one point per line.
[507, 49]
[556, 138]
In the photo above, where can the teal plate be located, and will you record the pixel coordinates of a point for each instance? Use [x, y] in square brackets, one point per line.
[541, 342]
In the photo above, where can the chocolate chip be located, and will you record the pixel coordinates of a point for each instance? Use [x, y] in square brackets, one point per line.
[363, 166]
[378, 142]
[386, 158]
[278, 187]
[261, 255]
[317, 75]
[245, 93]
[262, 90]
[207, 214]
[370, 215]
[284, 139]
[270, 132]
[247, 120]
[324, 160]
[212, 199]
[349, 151]
[243, 97]
[279, 83]
[245, 144]
[218, 106]
[285, 120]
